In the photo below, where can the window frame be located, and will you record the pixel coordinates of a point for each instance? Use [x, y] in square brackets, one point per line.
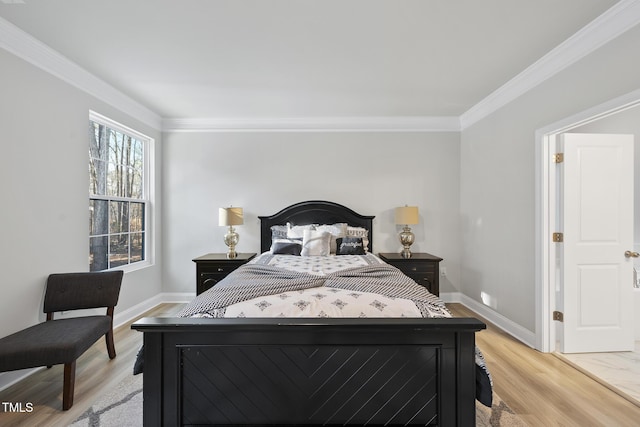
[148, 247]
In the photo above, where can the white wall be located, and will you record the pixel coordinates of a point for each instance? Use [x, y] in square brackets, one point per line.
[372, 173]
[498, 157]
[44, 219]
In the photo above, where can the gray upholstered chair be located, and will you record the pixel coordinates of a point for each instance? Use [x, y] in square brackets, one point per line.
[62, 341]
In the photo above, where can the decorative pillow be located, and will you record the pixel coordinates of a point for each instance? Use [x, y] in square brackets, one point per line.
[296, 231]
[286, 247]
[315, 243]
[359, 232]
[350, 246]
[336, 230]
[278, 232]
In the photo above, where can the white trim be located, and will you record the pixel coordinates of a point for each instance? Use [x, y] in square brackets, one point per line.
[543, 228]
[600, 111]
[153, 211]
[450, 296]
[545, 274]
[518, 332]
[120, 318]
[315, 124]
[97, 117]
[7, 379]
[27, 47]
[618, 19]
[512, 328]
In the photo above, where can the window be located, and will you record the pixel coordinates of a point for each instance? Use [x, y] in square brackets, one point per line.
[118, 188]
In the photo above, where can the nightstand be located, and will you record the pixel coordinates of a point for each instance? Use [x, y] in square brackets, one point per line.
[421, 267]
[211, 268]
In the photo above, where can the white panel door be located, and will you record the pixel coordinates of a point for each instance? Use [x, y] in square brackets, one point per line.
[597, 217]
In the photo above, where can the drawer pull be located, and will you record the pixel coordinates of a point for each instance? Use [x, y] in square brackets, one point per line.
[220, 269]
[414, 268]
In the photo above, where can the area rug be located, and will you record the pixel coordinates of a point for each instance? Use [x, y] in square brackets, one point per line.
[122, 407]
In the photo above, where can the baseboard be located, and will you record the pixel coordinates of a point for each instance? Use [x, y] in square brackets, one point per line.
[515, 330]
[451, 297]
[7, 379]
[121, 318]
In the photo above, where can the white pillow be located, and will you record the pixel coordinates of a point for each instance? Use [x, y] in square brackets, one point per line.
[296, 231]
[315, 243]
[337, 231]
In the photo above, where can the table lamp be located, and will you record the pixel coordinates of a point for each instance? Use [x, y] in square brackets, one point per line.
[229, 217]
[407, 215]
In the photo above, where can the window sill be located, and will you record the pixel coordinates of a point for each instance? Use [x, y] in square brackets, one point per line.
[129, 268]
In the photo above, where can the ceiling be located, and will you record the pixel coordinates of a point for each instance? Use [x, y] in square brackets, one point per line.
[303, 58]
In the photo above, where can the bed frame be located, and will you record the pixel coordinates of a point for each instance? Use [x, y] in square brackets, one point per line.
[299, 371]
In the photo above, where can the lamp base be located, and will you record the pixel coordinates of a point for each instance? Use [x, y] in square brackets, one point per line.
[406, 238]
[231, 239]
[406, 253]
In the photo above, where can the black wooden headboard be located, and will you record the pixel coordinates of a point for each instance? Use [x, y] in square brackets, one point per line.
[313, 212]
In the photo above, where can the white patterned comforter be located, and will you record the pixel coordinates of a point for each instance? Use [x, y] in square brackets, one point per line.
[322, 301]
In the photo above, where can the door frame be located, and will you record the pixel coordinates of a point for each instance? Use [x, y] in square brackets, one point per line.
[546, 179]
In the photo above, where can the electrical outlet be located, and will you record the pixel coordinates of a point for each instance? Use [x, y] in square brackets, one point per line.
[443, 271]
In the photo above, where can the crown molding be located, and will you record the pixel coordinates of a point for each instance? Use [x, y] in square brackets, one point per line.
[611, 24]
[618, 19]
[30, 49]
[315, 124]
[27, 47]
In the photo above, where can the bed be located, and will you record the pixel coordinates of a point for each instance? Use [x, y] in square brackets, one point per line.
[240, 370]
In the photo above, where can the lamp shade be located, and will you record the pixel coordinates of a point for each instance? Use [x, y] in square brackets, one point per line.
[230, 216]
[407, 215]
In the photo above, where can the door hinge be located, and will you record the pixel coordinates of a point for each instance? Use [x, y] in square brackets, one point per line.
[558, 237]
[558, 315]
[558, 158]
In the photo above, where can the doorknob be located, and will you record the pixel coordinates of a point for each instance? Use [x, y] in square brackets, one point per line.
[631, 254]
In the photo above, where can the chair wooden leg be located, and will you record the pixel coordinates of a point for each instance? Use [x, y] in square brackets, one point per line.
[111, 348]
[69, 384]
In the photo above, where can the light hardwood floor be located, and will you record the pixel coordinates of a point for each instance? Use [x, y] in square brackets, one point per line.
[541, 388]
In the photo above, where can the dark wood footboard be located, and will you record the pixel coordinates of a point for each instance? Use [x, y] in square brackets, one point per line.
[309, 371]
